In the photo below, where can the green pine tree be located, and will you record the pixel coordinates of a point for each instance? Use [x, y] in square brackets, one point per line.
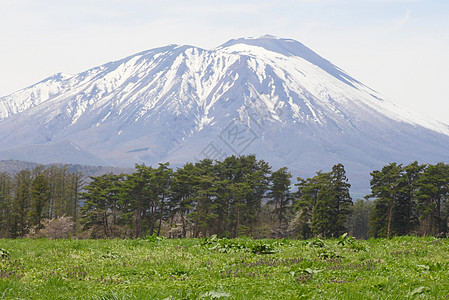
[40, 198]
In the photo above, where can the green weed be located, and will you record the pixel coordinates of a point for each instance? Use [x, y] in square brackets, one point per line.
[216, 268]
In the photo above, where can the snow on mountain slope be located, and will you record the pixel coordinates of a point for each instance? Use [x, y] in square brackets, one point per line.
[305, 69]
[269, 96]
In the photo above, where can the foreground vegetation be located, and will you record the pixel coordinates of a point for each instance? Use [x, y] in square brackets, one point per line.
[213, 268]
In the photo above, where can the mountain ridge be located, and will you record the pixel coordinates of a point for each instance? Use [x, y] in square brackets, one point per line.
[12, 167]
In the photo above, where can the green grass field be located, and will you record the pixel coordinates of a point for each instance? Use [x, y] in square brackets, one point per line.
[156, 268]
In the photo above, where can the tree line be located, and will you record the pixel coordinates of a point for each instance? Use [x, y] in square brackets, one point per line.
[411, 199]
[238, 196]
[230, 198]
[32, 196]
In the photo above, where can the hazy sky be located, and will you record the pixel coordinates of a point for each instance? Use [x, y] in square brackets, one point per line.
[400, 48]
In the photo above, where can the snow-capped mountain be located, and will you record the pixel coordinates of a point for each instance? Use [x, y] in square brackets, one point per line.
[270, 96]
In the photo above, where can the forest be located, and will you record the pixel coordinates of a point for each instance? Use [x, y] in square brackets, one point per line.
[238, 196]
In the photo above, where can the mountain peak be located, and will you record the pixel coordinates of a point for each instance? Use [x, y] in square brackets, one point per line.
[289, 47]
[268, 42]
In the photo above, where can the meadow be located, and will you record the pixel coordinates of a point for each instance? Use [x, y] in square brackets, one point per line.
[213, 268]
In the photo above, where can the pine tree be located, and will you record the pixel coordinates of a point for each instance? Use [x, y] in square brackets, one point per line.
[76, 180]
[203, 215]
[182, 191]
[385, 187]
[405, 218]
[137, 198]
[163, 177]
[255, 184]
[280, 195]
[21, 203]
[342, 201]
[100, 199]
[5, 204]
[323, 203]
[40, 197]
[227, 173]
[433, 190]
[323, 218]
[306, 200]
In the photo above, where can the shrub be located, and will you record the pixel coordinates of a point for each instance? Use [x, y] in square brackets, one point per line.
[225, 245]
[60, 228]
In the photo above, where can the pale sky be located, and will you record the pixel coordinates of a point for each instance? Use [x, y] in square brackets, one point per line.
[400, 48]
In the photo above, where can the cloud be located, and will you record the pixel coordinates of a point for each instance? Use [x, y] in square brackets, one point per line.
[402, 21]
